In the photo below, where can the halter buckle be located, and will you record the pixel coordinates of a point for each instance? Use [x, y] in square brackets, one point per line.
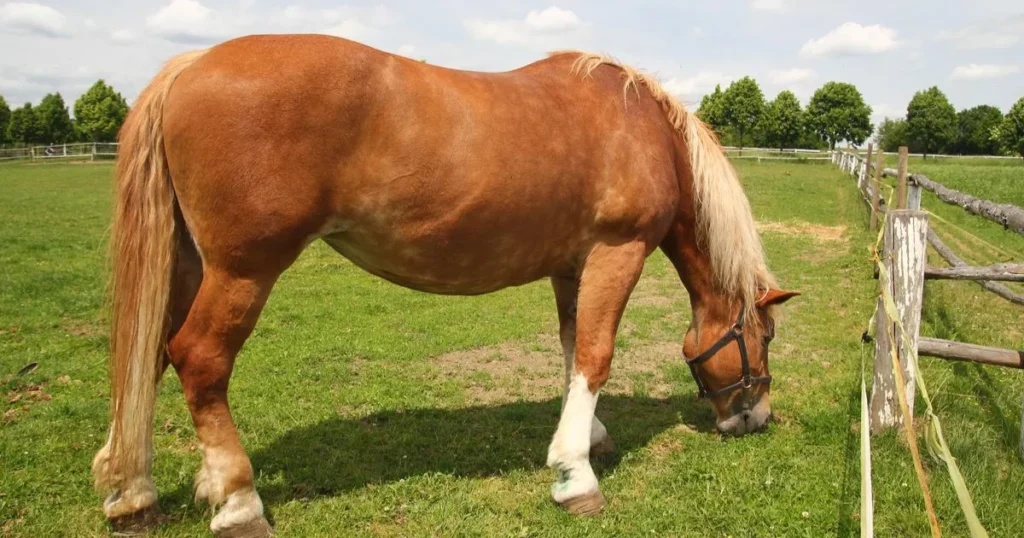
[746, 382]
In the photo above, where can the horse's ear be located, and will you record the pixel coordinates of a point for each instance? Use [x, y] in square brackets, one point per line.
[774, 297]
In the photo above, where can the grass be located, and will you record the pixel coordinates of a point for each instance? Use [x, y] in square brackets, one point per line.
[371, 410]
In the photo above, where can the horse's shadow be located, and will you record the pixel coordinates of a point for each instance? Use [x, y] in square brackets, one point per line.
[341, 454]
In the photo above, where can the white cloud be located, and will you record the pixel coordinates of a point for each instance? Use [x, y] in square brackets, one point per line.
[407, 50]
[789, 76]
[982, 71]
[767, 5]
[351, 29]
[89, 23]
[696, 85]
[885, 110]
[538, 29]
[552, 19]
[30, 18]
[995, 34]
[345, 21]
[187, 21]
[122, 36]
[851, 38]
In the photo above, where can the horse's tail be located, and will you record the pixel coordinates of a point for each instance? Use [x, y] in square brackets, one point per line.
[143, 250]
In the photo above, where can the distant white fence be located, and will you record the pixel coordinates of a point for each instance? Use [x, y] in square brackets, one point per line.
[774, 154]
[862, 153]
[88, 151]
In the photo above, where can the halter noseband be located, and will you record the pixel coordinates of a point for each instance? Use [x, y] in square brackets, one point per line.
[746, 381]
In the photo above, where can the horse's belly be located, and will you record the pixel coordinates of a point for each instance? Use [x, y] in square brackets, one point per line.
[434, 267]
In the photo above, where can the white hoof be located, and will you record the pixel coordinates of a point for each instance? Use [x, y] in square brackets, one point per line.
[240, 509]
[574, 480]
[138, 495]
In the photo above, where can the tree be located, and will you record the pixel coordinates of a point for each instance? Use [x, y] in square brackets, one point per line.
[24, 125]
[1011, 130]
[5, 119]
[892, 133]
[99, 113]
[54, 123]
[711, 109]
[837, 112]
[742, 106]
[931, 121]
[974, 131]
[783, 121]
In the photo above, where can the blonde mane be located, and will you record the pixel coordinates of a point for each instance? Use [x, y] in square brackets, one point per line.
[726, 225]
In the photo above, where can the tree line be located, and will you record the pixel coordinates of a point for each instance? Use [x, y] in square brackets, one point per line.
[99, 113]
[837, 113]
[932, 125]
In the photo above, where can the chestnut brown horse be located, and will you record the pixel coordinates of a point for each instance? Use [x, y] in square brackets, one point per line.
[574, 168]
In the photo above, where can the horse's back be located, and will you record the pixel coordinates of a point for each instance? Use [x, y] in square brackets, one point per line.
[413, 171]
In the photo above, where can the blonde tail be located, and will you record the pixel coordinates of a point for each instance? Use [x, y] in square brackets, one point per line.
[143, 250]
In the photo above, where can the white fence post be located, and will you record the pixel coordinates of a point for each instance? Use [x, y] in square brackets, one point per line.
[905, 257]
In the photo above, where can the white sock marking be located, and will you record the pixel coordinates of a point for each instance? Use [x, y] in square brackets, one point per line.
[570, 447]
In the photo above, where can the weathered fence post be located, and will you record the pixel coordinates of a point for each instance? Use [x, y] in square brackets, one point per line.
[901, 179]
[862, 179]
[913, 194]
[877, 192]
[904, 254]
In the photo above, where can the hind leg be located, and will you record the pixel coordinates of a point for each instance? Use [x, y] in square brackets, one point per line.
[608, 277]
[566, 293]
[203, 353]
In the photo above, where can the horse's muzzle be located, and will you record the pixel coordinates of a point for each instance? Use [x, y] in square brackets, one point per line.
[747, 420]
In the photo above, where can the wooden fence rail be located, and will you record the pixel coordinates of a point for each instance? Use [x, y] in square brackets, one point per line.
[1009, 216]
[955, 261]
[958, 351]
[1007, 272]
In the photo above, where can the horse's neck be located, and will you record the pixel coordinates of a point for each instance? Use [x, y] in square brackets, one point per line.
[695, 271]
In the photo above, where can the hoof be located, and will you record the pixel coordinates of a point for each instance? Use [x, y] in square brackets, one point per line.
[587, 504]
[605, 447]
[257, 528]
[138, 523]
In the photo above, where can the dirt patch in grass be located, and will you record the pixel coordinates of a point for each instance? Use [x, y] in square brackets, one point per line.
[79, 328]
[506, 372]
[21, 399]
[820, 232]
[515, 371]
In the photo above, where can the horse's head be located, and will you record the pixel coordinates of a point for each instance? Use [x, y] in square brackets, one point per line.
[728, 358]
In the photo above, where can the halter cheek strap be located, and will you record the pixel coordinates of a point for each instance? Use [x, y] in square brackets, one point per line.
[746, 380]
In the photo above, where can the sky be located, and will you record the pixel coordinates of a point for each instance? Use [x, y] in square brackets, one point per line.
[974, 51]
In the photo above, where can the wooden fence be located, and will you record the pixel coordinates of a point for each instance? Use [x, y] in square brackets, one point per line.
[902, 268]
[904, 252]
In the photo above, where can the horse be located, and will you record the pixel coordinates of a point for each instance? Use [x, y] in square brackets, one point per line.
[574, 168]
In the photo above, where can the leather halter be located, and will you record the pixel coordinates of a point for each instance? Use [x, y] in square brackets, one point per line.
[746, 380]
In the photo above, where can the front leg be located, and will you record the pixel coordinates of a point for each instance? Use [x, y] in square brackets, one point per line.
[608, 277]
[566, 293]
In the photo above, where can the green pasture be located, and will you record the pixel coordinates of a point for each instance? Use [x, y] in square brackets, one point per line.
[371, 410]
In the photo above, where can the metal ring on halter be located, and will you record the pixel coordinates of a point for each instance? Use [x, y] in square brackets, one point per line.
[746, 380]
